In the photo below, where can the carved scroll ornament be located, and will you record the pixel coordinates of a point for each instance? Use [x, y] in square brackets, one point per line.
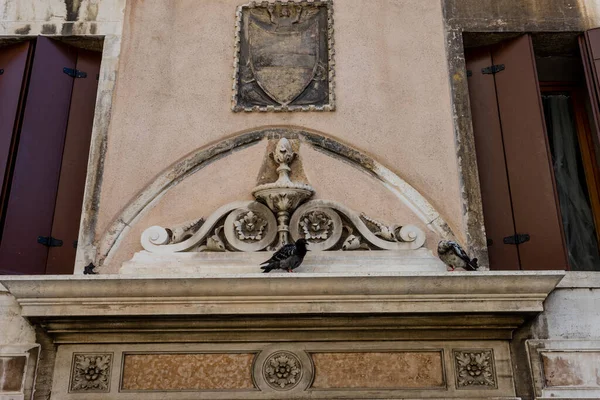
[281, 214]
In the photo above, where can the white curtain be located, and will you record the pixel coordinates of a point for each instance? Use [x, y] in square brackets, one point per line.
[576, 213]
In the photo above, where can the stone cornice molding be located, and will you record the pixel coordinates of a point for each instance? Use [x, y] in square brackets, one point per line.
[303, 294]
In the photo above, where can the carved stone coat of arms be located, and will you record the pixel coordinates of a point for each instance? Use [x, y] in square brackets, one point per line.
[284, 57]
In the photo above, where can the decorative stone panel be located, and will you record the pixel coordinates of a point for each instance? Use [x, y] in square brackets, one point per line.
[475, 369]
[18, 366]
[188, 371]
[565, 368]
[384, 370]
[12, 372]
[91, 372]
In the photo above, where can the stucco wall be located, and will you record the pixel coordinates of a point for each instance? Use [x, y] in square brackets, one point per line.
[174, 90]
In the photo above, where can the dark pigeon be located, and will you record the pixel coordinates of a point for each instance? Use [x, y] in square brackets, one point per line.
[454, 256]
[287, 258]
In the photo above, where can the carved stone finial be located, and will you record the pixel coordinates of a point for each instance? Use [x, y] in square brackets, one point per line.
[283, 196]
[283, 155]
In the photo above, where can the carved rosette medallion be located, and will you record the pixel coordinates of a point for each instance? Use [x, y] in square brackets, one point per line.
[320, 226]
[316, 225]
[91, 372]
[282, 370]
[251, 228]
[284, 56]
[475, 369]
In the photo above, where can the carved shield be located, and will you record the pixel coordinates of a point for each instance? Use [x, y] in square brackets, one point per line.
[284, 61]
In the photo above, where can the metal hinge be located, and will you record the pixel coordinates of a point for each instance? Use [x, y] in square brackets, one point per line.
[74, 73]
[1, 71]
[517, 239]
[469, 73]
[49, 241]
[493, 69]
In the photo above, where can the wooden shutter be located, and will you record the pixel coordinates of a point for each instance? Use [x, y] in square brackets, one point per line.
[32, 195]
[497, 207]
[69, 200]
[589, 44]
[528, 157]
[14, 62]
[515, 134]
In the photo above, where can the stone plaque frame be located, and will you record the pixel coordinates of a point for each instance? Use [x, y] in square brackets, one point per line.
[250, 94]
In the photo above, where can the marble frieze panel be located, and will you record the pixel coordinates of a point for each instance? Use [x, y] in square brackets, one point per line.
[276, 370]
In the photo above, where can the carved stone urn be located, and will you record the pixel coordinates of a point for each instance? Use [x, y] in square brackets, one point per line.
[283, 196]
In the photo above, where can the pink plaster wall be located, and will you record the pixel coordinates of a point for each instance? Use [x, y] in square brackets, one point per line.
[174, 89]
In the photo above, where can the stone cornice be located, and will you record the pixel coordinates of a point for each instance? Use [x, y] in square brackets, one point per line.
[289, 294]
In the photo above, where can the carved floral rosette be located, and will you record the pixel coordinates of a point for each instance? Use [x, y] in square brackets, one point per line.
[475, 369]
[282, 370]
[91, 373]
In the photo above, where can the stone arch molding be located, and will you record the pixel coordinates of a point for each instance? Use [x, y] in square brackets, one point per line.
[282, 211]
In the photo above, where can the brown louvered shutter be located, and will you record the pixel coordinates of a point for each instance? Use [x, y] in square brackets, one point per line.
[589, 45]
[14, 65]
[528, 158]
[32, 197]
[69, 199]
[528, 169]
[497, 207]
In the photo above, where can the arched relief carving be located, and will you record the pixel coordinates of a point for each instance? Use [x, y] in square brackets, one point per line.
[278, 217]
[227, 228]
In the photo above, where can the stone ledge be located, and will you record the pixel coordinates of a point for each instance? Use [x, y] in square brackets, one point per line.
[580, 279]
[251, 294]
[317, 263]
